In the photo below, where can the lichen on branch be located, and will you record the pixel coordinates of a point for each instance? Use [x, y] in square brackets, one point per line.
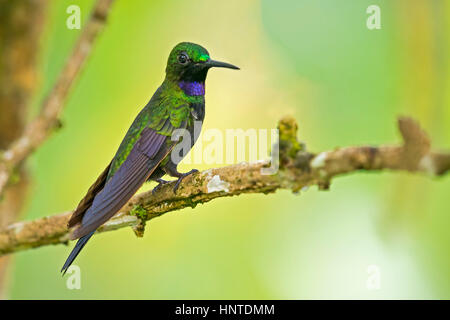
[298, 168]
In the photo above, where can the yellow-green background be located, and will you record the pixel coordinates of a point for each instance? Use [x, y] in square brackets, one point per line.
[315, 60]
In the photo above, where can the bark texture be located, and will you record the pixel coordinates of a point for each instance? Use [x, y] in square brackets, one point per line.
[298, 169]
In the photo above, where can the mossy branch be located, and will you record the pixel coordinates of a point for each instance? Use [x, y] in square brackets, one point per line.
[298, 168]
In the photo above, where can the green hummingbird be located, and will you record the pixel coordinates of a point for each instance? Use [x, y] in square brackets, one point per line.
[145, 153]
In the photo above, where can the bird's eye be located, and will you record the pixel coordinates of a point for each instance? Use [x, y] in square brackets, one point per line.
[183, 58]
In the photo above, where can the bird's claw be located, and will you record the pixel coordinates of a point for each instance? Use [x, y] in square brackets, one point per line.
[184, 175]
[161, 182]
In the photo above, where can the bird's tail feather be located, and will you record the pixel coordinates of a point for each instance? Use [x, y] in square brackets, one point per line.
[76, 250]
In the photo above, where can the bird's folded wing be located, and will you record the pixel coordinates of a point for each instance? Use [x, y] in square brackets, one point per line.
[150, 149]
[86, 202]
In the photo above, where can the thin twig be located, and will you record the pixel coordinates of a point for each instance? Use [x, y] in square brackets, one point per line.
[48, 119]
[298, 169]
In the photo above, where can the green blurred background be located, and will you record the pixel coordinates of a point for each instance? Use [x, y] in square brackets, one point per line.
[315, 60]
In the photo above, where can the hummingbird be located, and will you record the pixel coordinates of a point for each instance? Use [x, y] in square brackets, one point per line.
[145, 153]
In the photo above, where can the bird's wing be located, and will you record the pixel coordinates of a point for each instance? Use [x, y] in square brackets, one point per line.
[86, 202]
[129, 140]
[147, 153]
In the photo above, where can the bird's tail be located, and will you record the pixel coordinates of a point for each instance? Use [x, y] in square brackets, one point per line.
[76, 250]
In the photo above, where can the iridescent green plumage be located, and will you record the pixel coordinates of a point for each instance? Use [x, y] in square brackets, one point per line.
[146, 151]
[169, 102]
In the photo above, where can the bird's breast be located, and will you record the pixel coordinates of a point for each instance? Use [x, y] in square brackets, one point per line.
[198, 111]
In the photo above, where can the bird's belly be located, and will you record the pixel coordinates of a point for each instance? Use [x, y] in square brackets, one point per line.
[182, 148]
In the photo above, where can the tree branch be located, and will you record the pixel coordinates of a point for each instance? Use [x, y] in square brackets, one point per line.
[298, 169]
[48, 119]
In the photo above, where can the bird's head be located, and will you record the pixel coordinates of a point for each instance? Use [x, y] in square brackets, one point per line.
[191, 62]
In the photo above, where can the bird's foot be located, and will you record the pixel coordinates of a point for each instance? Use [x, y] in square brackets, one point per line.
[161, 182]
[181, 177]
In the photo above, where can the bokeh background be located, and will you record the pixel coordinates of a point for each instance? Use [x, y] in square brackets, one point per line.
[315, 60]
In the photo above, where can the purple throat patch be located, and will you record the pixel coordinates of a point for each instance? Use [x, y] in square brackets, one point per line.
[193, 88]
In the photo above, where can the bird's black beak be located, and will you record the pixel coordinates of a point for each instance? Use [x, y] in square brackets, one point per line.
[219, 64]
